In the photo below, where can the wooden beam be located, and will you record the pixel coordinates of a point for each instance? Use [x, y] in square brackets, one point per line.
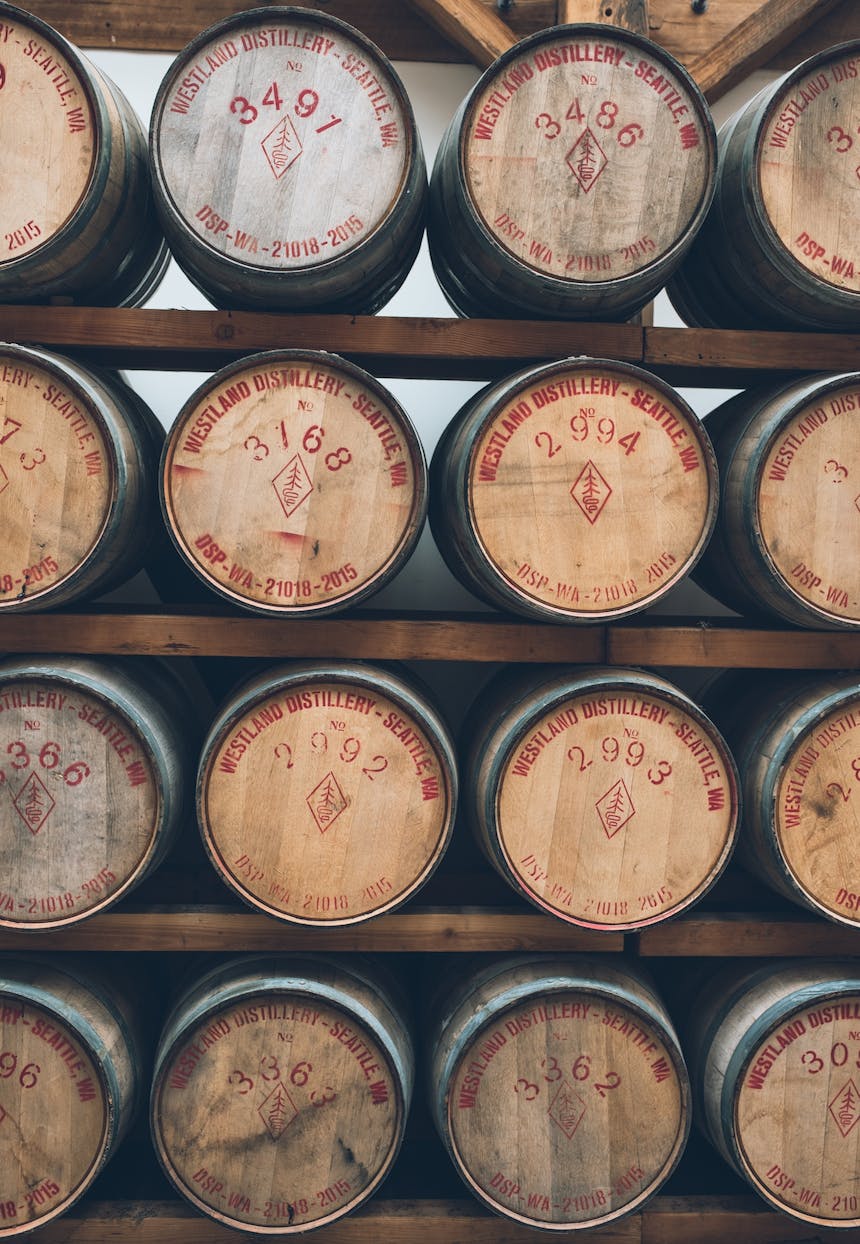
[750, 44]
[630, 14]
[470, 25]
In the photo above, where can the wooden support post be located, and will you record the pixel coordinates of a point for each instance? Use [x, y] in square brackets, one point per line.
[631, 14]
[470, 25]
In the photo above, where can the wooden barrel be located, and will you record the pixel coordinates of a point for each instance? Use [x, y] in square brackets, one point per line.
[780, 247]
[288, 170]
[280, 1091]
[95, 758]
[558, 1087]
[572, 179]
[785, 542]
[325, 475]
[330, 757]
[70, 1082]
[796, 741]
[76, 209]
[604, 796]
[772, 1057]
[543, 488]
[77, 481]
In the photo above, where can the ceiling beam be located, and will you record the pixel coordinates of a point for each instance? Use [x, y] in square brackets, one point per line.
[471, 25]
[753, 41]
[631, 14]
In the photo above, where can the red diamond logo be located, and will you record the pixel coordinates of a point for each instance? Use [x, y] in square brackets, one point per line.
[277, 1111]
[615, 808]
[34, 804]
[282, 146]
[326, 802]
[586, 159]
[845, 1108]
[591, 492]
[567, 1110]
[293, 485]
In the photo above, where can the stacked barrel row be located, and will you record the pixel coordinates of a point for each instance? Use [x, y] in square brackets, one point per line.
[279, 1086]
[579, 491]
[284, 171]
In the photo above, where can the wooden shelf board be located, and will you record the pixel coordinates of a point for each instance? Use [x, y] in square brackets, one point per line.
[228, 930]
[479, 637]
[441, 348]
[664, 1220]
[706, 643]
[746, 935]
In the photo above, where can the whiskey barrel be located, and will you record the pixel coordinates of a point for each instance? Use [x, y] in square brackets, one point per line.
[780, 245]
[95, 757]
[772, 1057]
[796, 740]
[325, 475]
[280, 1091]
[785, 542]
[559, 1088]
[584, 785]
[572, 179]
[76, 209]
[330, 757]
[77, 481]
[288, 171]
[70, 1081]
[543, 487]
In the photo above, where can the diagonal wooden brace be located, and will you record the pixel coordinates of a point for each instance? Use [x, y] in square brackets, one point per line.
[471, 25]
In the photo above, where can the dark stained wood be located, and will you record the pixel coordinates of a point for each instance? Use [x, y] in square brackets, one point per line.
[468, 23]
[441, 348]
[752, 42]
[230, 931]
[739, 935]
[716, 1219]
[837, 26]
[716, 644]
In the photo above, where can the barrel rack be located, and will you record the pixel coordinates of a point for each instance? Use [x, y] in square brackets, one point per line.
[466, 910]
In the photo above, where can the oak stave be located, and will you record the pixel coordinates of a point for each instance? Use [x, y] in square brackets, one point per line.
[77, 491]
[292, 483]
[360, 791]
[74, 1054]
[794, 740]
[281, 1089]
[76, 200]
[539, 1094]
[603, 796]
[98, 757]
[262, 208]
[584, 233]
[542, 491]
[784, 543]
[779, 245]
[771, 1053]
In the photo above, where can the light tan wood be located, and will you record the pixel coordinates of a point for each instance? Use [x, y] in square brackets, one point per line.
[325, 476]
[67, 1059]
[295, 179]
[308, 1072]
[75, 211]
[583, 789]
[542, 491]
[558, 1088]
[772, 1053]
[756, 38]
[91, 784]
[225, 929]
[481, 33]
[345, 753]
[808, 142]
[629, 14]
[544, 198]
